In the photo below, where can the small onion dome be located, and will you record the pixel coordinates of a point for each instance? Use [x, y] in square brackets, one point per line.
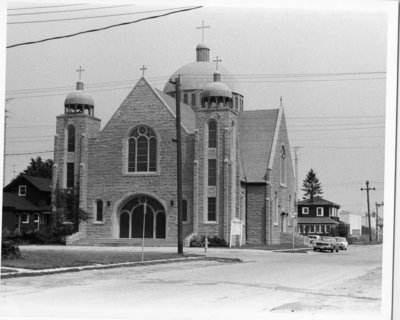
[79, 97]
[216, 89]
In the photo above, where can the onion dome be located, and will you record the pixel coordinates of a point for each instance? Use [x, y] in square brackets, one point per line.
[216, 88]
[79, 102]
[196, 75]
[79, 97]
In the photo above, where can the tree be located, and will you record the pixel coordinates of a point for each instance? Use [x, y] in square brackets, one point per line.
[39, 168]
[311, 186]
[67, 212]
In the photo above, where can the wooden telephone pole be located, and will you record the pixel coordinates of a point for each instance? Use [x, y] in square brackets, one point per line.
[179, 160]
[369, 214]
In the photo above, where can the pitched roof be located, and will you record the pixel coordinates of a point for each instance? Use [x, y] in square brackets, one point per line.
[316, 220]
[12, 200]
[187, 113]
[42, 184]
[256, 135]
[318, 201]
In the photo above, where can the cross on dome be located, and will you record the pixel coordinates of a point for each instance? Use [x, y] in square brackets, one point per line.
[143, 69]
[202, 30]
[217, 60]
[80, 70]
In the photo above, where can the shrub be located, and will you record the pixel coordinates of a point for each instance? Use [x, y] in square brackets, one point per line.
[9, 246]
[198, 241]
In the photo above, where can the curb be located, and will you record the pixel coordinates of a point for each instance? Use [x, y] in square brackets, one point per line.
[111, 266]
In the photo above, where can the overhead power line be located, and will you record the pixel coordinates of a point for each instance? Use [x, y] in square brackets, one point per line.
[72, 10]
[103, 28]
[94, 17]
[44, 7]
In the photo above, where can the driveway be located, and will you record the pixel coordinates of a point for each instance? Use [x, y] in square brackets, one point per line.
[344, 284]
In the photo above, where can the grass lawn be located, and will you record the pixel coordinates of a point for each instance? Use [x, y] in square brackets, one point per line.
[46, 259]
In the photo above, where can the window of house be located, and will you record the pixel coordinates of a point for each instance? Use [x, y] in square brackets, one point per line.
[142, 153]
[212, 209]
[193, 99]
[71, 139]
[70, 174]
[212, 134]
[22, 191]
[327, 228]
[99, 210]
[320, 211]
[304, 210]
[185, 98]
[25, 217]
[290, 210]
[318, 229]
[184, 211]
[283, 165]
[212, 172]
[36, 217]
[312, 228]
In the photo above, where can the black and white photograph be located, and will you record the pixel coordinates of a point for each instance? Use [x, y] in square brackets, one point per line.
[186, 160]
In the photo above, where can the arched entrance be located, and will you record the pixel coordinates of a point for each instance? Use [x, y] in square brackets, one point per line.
[140, 213]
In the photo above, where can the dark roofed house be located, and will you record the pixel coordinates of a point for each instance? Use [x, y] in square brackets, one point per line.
[317, 216]
[26, 204]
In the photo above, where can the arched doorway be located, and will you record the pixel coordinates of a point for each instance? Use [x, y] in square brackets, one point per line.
[140, 213]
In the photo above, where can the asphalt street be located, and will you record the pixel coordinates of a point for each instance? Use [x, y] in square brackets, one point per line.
[339, 285]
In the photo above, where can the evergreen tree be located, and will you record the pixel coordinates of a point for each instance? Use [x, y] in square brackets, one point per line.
[311, 186]
[39, 168]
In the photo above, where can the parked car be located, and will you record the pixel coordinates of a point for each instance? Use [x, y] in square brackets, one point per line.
[313, 238]
[343, 244]
[326, 243]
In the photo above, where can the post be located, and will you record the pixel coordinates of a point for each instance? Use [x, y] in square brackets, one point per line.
[179, 161]
[369, 214]
[377, 219]
[144, 227]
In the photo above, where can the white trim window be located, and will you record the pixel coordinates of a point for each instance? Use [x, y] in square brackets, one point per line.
[304, 210]
[318, 228]
[22, 191]
[320, 211]
[25, 218]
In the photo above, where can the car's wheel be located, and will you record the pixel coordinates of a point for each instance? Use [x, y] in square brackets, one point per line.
[337, 250]
[314, 249]
[331, 250]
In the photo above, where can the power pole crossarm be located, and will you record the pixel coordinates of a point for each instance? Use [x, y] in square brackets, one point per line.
[369, 214]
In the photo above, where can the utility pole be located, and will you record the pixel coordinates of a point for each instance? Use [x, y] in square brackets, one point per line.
[178, 160]
[377, 205]
[369, 214]
[5, 140]
[296, 168]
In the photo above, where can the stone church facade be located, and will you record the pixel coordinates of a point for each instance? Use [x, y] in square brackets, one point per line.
[238, 179]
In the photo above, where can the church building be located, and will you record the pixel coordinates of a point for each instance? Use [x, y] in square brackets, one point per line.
[238, 177]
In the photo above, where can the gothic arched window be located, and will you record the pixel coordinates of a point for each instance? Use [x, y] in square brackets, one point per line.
[142, 150]
[212, 133]
[71, 139]
[185, 98]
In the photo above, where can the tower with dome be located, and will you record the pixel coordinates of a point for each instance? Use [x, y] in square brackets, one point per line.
[238, 178]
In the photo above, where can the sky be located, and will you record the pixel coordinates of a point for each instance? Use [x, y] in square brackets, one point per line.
[329, 65]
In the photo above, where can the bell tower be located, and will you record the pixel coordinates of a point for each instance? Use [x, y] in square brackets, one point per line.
[216, 168]
[74, 130]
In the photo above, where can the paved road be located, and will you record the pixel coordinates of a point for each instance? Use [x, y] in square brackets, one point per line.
[265, 284]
